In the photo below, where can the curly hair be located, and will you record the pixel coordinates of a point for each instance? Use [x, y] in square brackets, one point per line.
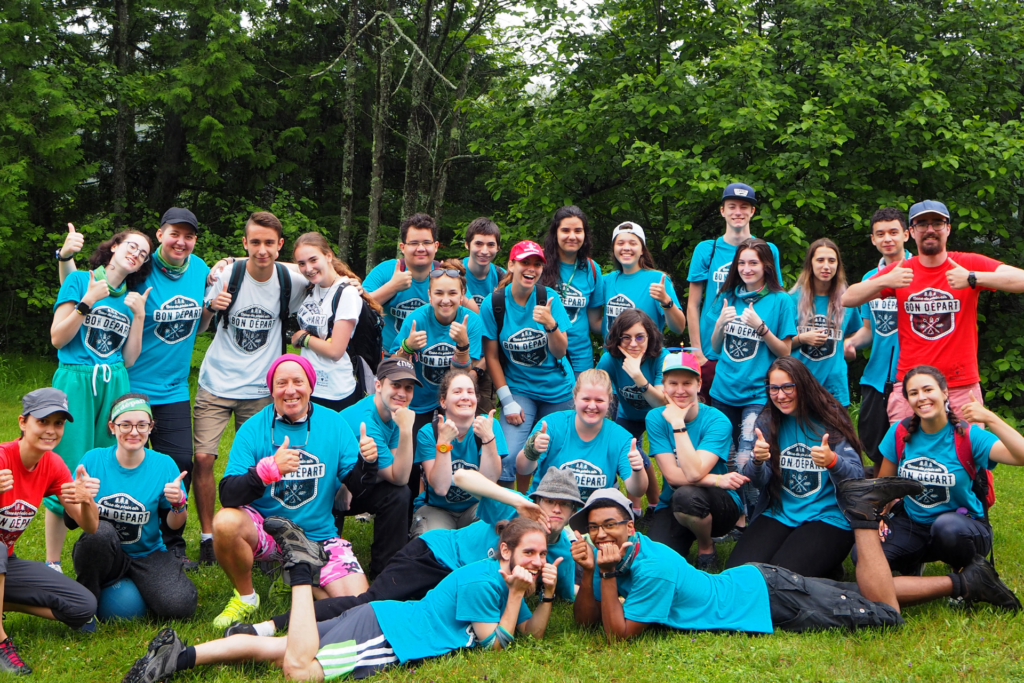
[627, 319]
[105, 251]
[446, 382]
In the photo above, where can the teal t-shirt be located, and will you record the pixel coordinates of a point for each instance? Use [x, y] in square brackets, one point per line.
[531, 370]
[174, 311]
[131, 499]
[826, 362]
[479, 289]
[594, 464]
[632, 404]
[434, 360]
[581, 288]
[808, 493]
[885, 342]
[623, 291]
[385, 434]
[710, 264]
[327, 453]
[931, 459]
[442, 621]
[401, 304]
[465, 456]
[104, 331]
[710, 431]
[662, 588]
[745, 357]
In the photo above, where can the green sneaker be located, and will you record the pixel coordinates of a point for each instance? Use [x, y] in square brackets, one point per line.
[236, 610]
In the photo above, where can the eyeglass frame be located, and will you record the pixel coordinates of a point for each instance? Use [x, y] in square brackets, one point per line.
[607, 526]
[133, 426]
[781, 389]
[134, 248]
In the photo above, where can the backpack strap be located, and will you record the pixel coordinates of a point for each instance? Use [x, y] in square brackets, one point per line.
[964, 454]
[234, 284]
[284, 280]
[542, 295]
[901, 446]
[334, 308]
[593, 270]
[401, 265]
[498, 309]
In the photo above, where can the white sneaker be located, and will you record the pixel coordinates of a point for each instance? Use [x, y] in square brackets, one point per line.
[55, 566]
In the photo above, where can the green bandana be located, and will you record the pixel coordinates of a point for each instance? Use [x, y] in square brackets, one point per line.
[101, 274]
[171, 271]
[128, 405]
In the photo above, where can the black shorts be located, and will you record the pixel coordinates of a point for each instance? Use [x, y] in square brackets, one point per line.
[353, 645]
[802, 604]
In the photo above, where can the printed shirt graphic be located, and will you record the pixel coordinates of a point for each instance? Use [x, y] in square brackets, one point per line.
[131, 499]
[18, 506]
[632, 404]
[938, 325]
[579, 291]
[384, 434]
[479, 289]
[931, 459]
[328, 452]
[710, 264]
[594, 464]
[174, 311]
[334, 378]
[435, 359]
[236, 364]
[623, 291]
[885, 346]
[442, 622]
[104, 331]
[464, 455]
[827, 362]
[531, 370]
[745, 357]
[401, 304]
[808, 493]
[710, 431]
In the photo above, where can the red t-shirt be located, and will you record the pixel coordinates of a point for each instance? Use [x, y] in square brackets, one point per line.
[938, 325]
[18, 506]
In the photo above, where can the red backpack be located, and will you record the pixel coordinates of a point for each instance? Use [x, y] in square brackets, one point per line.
[983, 486]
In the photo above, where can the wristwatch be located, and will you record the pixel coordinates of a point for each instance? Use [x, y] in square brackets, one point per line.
[544, 598]
[681, 430]
[668, 306]
[57, 256]
[608, 575]
[83, 308]
[972, 279]
[444, 447]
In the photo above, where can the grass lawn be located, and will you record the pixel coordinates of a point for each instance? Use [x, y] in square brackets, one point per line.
[938, 642]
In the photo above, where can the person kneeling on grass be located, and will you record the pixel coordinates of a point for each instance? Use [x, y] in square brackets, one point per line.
[29, 470]
[289, 459]
[137, 486]
[658, 587]
[480, 605]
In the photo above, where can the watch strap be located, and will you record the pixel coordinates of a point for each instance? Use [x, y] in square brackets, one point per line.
[544, 598]
[681, 430]
[83, 308]
[609, 575]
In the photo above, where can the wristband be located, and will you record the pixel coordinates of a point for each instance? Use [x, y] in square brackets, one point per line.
[609, 575]
[462, 348]
[529, 451]
[180, 507]
[553, 329]
[405, 347]
[60, 258]
[761, 330]
[835, 459]
[544, 598]
[505, 396]
[484, 443]
[718, 478]
[267, 470]
[457, 364]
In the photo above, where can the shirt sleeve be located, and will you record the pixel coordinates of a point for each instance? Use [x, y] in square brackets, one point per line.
[786, 321]
[597, 296]
[887, 447]
[717, 438]
[479, 601]
[558, 310]
[981, 445]
[700, 264]
[607, 363]
[73, 288]
[865, 312]
[475, 330]
[853, 322]
[659, 363]
[426, 445]
[647, 602]
[348, 448]
[671, 289]
[625, 470]
[976, 262]
[490, 328]
[350, 305]
[660, 437]
[492, 512]
[379, 276]
[243, 450]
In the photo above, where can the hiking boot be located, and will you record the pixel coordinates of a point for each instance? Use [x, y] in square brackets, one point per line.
[293, 545]
[10, 661]
[734, 534]
[236, 610]
[707, 561]
[160, 660]
[983, 585]
[240, 628]
[207, 557]
[862, 500]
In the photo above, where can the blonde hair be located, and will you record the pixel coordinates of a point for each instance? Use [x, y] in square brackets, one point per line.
[598, 378]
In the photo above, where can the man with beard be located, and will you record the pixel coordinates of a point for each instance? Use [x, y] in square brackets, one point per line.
[936, 305]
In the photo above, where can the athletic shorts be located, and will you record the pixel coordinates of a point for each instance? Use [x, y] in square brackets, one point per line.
[211, 414]
[342, 560]
[353, 645]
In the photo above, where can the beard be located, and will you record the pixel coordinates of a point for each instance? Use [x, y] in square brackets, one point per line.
[931, 249]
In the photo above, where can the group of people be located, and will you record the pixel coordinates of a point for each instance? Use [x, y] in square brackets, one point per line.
[488, 441]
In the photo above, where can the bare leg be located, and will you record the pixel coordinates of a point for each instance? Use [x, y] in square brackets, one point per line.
[41, 612]
[205, 489]
[353, 584]
[653, 489]
[234, 541]
[300, 662]
[56, 532]
[913, 590]
[874, 578]
[701, 528]
[241, 648]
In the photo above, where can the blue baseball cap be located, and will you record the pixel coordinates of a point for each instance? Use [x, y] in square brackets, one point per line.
[739, 191]
[928, 206]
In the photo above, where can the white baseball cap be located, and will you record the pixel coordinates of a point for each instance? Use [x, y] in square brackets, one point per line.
[629, 227]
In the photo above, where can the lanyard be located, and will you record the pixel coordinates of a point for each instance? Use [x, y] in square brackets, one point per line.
[273, 424]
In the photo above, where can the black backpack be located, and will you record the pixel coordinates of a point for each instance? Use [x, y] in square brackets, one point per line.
[368, 344]
[235, 284]
[498, 308]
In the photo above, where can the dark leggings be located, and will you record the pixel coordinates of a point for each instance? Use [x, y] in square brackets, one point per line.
[813, 549]
[172, 435]
[952, 538]
[694, 501]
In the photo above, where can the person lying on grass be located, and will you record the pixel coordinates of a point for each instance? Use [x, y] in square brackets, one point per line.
[658, 587]
[480, 605]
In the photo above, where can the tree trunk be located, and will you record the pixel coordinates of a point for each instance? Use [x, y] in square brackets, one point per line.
[380, 115]
[349, 155]
[121, 57]
[168, 169]
[450, 146]
[414, 136]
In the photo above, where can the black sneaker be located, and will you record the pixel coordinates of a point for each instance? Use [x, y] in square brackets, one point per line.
[983, 585]
[862, 500]
[189, 565]
[294, 547]
[707, 562]
[207, 557]
[160, 660]
[10, 660]
[240, 628]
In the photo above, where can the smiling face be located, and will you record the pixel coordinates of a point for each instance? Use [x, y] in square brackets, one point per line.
[930, 231]
[482, 249]
[627, 249]
[630, 342]
[591, 403]
[570, 236]
[291, 390]
[751, 269]
[824, 263]
[618, 534]
[131, 253]
[136, 438]
[926, 397]
[445, 298]
[395, 394]
[786, 403]
[42, 434]
[419, 247]
[531, 553]
[889, 238]
[681, 387]
[177, 240]
[460, 400]
[737, 213]
[315, 265]
[262, 244]
[526, 273]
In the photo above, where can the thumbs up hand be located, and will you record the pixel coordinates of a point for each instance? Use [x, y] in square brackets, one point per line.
[957, 275]
[222, 300]
[173, 491]
[542, 315]
[762, 451]
[367, 446]
[287, 459]
[657, 291]
[137, 303]
[976, 413]
[73, 243]
[901, 276]
[416, 340]
[447, 431]
[459, 332]
[822, 455]
[96, 291]
[81, 490]
[401, 280]
[543, 439]
[483, 426]
[636, 461]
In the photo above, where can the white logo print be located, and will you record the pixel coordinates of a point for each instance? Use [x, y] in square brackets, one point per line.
[126, 514]
[883, 314]
[616, 305]
[299, 487]
[403, 309]
[252, 327]
[934, 475]
[455, 494]
[435, 361]
[800, 476]
[932, 312]
[106, 330]
[741, 342]
[589, 477]
[572, 299]
[313, 320]
[826, 350]
[527, 347]
[176, 319]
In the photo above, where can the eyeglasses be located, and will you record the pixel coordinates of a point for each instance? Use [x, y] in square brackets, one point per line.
[277, 443]
[933, 225]
[134, 249]
[441, 272]
[607, 526]
[417, 245]
[127, 427]
[639, 339]
[788, 389]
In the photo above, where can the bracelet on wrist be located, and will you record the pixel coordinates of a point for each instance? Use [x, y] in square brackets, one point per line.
[405, 347]
[544, 598]
[462, 348]
[484, 443]
[669, 306]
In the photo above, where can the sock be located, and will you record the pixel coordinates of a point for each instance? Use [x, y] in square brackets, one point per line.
[637, 513]
[205, 537]
[251, 599]
[186, 659]
[301, 574]
[959, 589]
[265, 628]
[280, 622]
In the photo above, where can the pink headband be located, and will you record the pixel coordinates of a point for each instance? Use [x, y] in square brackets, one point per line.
[307, 367]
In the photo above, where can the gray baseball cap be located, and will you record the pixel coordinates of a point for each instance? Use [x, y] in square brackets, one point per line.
[579, 521]
[46, 401]
[395, 368]
[558, 484]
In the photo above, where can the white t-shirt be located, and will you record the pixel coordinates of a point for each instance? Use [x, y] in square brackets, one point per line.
[237, 361]
[334, 379]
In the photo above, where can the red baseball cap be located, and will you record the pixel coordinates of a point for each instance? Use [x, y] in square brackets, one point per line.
[525, 249]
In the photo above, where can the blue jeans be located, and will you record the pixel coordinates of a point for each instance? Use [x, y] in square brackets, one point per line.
[742, 419]
[515, 435]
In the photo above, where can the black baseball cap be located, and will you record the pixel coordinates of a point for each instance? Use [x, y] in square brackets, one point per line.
[175, 215]
[46, 401]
